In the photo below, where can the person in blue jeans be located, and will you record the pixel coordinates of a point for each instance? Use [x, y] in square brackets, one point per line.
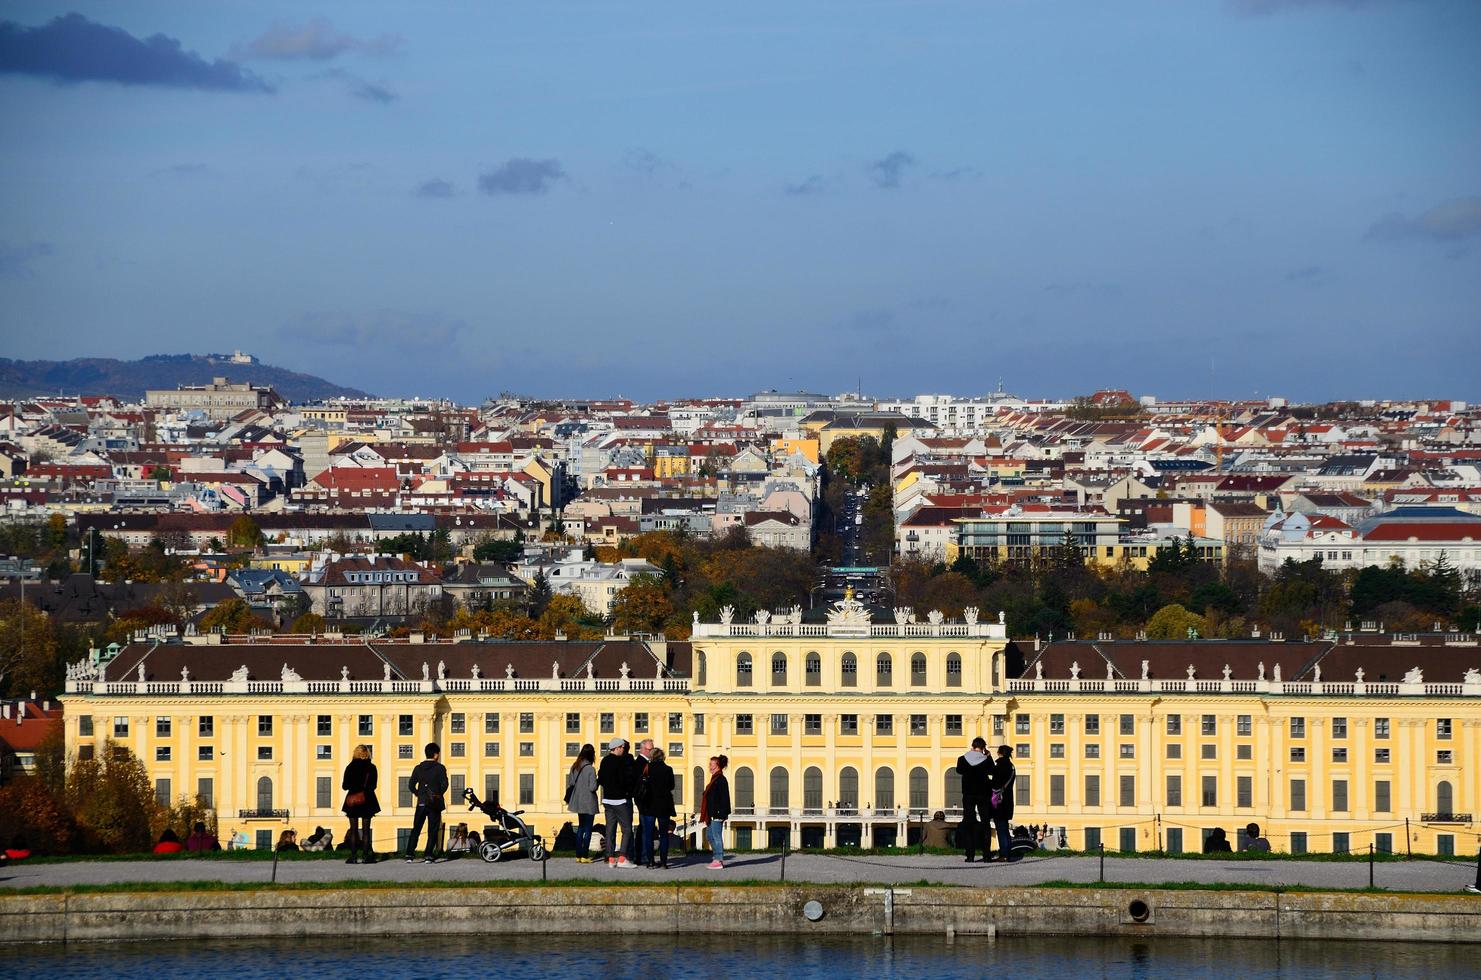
[657, 806]
[1003, 778]
[714, 810]
[581, 799]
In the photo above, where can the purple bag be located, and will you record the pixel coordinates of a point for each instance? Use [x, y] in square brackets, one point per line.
[997, 797]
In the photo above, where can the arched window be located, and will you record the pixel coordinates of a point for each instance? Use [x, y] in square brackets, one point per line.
[1444, 798]
[884, 669]
[812, 788]
[848, 787]
[778, 669]
[953, 670]
[743, 670]
[850, 670]
[703, 668]
[917, 670]
[920, 788]
[745, 788]
[779, 787]
[814, 670]
[953, 788]
[697, 783]
[678, 788]
[884, 788]
[265, 793]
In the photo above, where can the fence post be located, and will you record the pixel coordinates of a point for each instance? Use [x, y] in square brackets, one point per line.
[785, 841]
[275, 864]
[1370, 865]
[1103, 862]
[1408, 843]
[1477, 886]
[544, 860]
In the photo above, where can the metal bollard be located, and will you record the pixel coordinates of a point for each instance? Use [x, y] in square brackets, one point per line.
[1103, 862]
[1370, 865]
[1477, 886]
[275, 865]
[785, 842]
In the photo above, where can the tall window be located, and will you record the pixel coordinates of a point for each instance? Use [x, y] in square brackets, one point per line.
[779, 787]
[778, 669]
[918, 670]
[953, 788]
[1444, 797]
[743, 670]
[953, 670]
[848, 787]
[814, 670]
[849, 668]
[920, 788]
[745, 788]
[265, 793]
[884, 788]
[884, 668]
[812, 788]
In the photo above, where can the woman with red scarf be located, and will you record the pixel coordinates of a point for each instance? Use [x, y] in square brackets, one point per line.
[714, 809]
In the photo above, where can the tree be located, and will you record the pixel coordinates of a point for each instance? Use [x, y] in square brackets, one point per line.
[113, 800]
[1173, 622]
[159, 473]
[178, 599]
[232, 616]
[539, 595]
[309, 622]
[642, 606]
[28, 649]
[56, 531]
[32, 812]
[490, 549]
[244, 533]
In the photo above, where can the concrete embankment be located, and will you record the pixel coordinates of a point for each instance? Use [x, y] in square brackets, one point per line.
[279, 913]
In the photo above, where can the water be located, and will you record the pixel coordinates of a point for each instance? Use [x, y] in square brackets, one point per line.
[594, 954]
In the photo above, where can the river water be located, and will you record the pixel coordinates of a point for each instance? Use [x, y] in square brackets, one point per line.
[596, 954]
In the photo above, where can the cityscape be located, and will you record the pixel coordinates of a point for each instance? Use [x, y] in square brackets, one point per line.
[630, 518]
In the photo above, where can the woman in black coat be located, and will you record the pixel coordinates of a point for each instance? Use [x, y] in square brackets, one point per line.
[360, 803]
[1003, 778]
[658, 803]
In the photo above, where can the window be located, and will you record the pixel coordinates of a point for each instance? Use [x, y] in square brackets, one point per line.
[1298, 727]
[1021, 725]
[1381, 796]
[780, 787]
[1244, 791]
[1021, 786]
[403, 751]
[457, 783]
[572, 748]
[1174, 750]
[573, 723]
[1339, 728]
[743, 670]
[850, 670]
[1174, 790]
[323, 792]
[953, 724]
[884, 788]
[264, 753]
[205, 753]
[1339, 754]
[120, 727]
[1092, 790]
[884, 724]
[1380, 728]
[745, 788]
[676, 723]
[162, 727]
[324, 726]
[812, 724]
[1210, 725]
[458, 722]
[527, 750]
[490, 786]
[1298, 842]
[953, 670]
[1021, 750]
[1341, 843]
[813, 670]
[1128, 840]
[1209, 751]
[85, 726]
[1298, 794]
[1442, 727]
[812, 788]
[1444, 757]
[265, 794]
[527, 722]
[526, 789]
[491, 749]
[1056, 724]
[1092, 724]
[1056, 790]
[848, 724]
[367, 725]
[1381, 755]
[1092, 838]
[491, 724]
[699, 724]
[1210, 790]
[779, 724]
[1092, 751]
[778, 669]
[1128, 790]
[997, 726]
[1244, 725]
[1128, 750]
[1245, 752]
[205, 788]
[1298, 753]
[162, 753]
[884, 670]
[606, 722]
[1128, 725]
[1174, 724]
[848, 787]
[405, 725]
[640, 722]
[1445, 845]
[162, 792]
[918, 724]
[743, 725]
[1056, 750]
[1339, 795]
[459, 749]
[917, 670]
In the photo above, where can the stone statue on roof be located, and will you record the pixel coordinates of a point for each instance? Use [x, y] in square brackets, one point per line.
[1038, 670]
[1316, 673]
[426, 671]
[936, 617]
[1358, 674]
[239, 675]
[970, 615]
[1260, 670]
[696, 619]
[1075, 670]
[441, 670]
[386, 671]
[849, 611]
[624, 670]
[1191, 672]
[141, 672]
[1472, 676]
[1414, 676]
[288, 674]
[1110, 671]
[1146, 669]
[344, 673]
[1275, 673]
[476, 672]
[762, 617]
[591, 669]
[555, 670]
[727, 613]
[509, 671]
[185, 675]
[1227, 672]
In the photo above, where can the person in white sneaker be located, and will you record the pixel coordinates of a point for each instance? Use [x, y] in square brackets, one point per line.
[714, 810]
[614, 780]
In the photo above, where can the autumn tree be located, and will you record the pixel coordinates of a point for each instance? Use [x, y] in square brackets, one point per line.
[642, 606]
[232, 616]
[1174, 622]
[112, 799]
[28, 649]
[244, 533]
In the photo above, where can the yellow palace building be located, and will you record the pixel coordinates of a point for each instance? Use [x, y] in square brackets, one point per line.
[838, 733]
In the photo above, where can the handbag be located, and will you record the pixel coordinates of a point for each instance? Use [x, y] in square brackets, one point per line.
[355, 799]
[997, 797]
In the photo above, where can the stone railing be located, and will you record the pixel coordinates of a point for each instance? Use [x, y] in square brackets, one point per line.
[784, 631]
[1180, 685]
[447, 685]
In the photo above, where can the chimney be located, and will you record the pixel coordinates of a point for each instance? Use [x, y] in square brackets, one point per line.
[5, 710]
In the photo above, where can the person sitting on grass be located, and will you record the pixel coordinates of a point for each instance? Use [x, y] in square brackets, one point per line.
[17, 851]
[1217, 843]
[321, 839]
[458, 842]
[201, 839]
[288, 841]
[1254, 843]
[937, 833]
[168, 843]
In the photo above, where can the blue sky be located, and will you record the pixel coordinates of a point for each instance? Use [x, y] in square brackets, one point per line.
[1215, 197]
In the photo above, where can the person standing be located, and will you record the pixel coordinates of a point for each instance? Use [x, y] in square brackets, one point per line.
[657, 803]
[360, 804]
[1003, 778]
[427, 784]
[581, 799]
[641, 853]
[976, 769]
[714, 810]
[614, 779]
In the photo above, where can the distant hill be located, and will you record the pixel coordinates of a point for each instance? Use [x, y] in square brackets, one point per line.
[129, 379]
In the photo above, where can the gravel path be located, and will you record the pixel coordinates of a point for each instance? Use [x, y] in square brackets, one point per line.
[1431, 876]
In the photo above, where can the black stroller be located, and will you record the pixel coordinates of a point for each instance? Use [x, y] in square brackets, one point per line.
[506, 833]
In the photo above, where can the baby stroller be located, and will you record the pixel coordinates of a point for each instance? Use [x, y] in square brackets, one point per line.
[506, 833]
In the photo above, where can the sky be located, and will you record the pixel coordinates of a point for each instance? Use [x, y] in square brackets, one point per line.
[1229, 198]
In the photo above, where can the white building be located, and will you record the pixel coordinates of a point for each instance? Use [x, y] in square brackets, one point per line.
[1414, 536]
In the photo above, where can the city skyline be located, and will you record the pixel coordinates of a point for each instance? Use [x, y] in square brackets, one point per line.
[1220, 199]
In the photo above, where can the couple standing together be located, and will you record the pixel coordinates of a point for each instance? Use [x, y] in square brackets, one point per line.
[987, 798]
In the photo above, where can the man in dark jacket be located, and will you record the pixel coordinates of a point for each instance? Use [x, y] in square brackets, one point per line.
[976, 769]
[614, 789]
[640, 853]
[1003, 778]
[427, 784]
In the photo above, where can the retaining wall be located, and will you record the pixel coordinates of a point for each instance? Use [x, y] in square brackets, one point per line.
[773, 908]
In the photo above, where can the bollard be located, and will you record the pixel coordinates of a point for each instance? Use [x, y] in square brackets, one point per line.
[1370, 865]
[1103, 862]
[1408, 842]
[1477, 886]
[544, 861]
[785, 841]
[275, 865]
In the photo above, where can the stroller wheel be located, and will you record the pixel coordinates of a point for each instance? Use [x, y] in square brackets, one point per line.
[490, 852]
[537, 851]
